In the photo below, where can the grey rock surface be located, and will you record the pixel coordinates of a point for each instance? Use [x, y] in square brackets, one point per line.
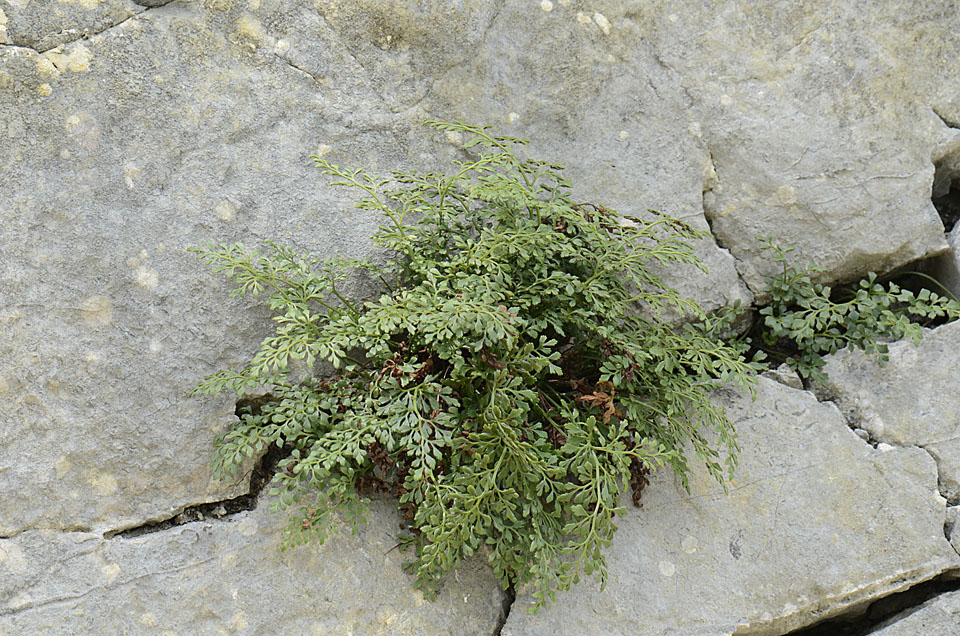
[816, 522]
[229, 577]
[194, 122]
[914, 400]
[939, 615]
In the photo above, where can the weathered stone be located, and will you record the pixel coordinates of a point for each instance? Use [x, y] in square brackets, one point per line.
[45, 25]
[229, 576]
[819, 124]
[946, 267]
[939, 615]
[816, 522]
[194, 122]
[913, 400]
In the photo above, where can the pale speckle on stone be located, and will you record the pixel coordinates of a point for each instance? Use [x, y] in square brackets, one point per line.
[44, 90]
[667, 568]
[602, 22]
[97, 310]
[248, 527]
[624, 134]
[46, 68]
[281, 47]
[130, 172]
[148, 620]
[689, 544]
[512, 118]
[249, 31]
[226, 211]
[323, 150]
[726, 100]
[104, 484]
[453, 137]
[77, 59]
[111, 571]
[155, 346]
[673, 17]
[695, 130]
[239, 621]
[73, 121]
[386, 616]
[147, 277]
[883, 447]
[583, 18]
[254, 5]
[62, 467]
[546, 5]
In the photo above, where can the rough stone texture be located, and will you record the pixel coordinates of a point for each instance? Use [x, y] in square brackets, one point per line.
[44, 25]
[914, 400]
[193, 122]
[816, 522]
[229, 577]
[820, 124]
[946, 267]
[940, 615]
[131, 129]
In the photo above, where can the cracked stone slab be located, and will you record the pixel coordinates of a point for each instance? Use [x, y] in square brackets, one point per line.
[194, 122]
[819, 122]
[913, 400]
[42, 26]
[230, 576]
[816, 523]
[939, 615]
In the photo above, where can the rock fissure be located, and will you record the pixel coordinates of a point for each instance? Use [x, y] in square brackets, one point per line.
[509, 598]
[949, 123]
[297, 67]
[260, 476]
[861, 621]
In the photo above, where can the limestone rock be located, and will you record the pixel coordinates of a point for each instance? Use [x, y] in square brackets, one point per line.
[914, 400]
[194, 122]
[939, 615]
[816, 522]
[45, 25]
[229, 576]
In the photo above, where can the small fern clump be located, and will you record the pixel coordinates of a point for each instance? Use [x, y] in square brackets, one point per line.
[509, 383]
[804, 319]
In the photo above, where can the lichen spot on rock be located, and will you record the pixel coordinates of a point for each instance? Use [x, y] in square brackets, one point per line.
[602, 22]
[248, 527]
[689, 544]
[147, 277]
[77, 59]
[110, 572]
[97, 311]
[546, 5]
[667, 568]
[62, 467]
[225, 211]
[89, 5]
[104, 484]
[249, 32]
[44, 90]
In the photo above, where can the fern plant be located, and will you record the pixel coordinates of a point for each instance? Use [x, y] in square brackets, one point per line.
[804, 319]
[512, 380]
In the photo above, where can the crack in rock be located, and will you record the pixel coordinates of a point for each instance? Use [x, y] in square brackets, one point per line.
[260, 476]
[509, 597]
[148, 5]
[864, 621]
[949, 123]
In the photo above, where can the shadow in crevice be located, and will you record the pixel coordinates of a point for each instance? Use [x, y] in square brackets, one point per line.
[862, 622]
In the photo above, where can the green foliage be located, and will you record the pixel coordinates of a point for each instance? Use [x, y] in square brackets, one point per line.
[804, 318]
[510, 382]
